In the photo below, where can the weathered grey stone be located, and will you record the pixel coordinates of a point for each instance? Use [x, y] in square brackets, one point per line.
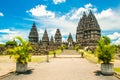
[58, 38]
[33, 35]
[88, 31]
[45, 39]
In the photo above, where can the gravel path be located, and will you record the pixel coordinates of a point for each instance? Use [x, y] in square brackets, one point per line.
[62, 69]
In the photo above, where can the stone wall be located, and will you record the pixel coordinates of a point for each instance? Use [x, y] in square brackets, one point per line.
[41, 50]
[2, 49]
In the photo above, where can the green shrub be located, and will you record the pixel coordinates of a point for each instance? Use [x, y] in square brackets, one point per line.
[105, 51]
[77, 48]
[21, 52]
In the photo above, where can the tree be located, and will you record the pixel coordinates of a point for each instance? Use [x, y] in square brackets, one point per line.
[77, 47]
[62, 47]
[21, 54]
[11, 43]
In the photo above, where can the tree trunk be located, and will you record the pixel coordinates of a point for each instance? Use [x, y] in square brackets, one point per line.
[107, 69]
[21, 68]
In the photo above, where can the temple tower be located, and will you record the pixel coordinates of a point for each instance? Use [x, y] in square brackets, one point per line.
[58, 38]
[70, 41]
[88, 31]
[45, 39]
[33, 35]
[51, 41]
[80, 29]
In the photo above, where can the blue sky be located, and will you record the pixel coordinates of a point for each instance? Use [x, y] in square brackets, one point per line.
[17, 16]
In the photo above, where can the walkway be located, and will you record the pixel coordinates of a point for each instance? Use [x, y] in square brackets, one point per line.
[62, 69]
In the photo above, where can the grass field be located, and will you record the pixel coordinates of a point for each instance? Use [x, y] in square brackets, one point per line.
[89, 56]
[117, 69]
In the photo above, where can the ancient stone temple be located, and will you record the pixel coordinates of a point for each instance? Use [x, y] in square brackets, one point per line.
[70, 39]
[88, 31]
[33, 35]
[45, 39]
[58, 38]
[51, 41]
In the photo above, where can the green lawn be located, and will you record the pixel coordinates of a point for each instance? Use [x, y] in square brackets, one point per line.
[43, 58]
[57, 52]
[37, 59]
[117, 69]
[91, 57]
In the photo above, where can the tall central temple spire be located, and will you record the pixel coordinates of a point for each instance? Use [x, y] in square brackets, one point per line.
[88, 31]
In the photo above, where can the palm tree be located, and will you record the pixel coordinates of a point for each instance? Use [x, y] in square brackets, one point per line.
[21, 54]
[105, 52]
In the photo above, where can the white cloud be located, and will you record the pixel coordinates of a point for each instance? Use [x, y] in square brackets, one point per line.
[75, 14]
[1, 14]
[108, 19]
[117, 41]
[40, 11]
[115, 37]
[64, 39]
[6, 31]
[58, 1]
[105, 13]
[1, 42]
[88, 5]
[8, 34]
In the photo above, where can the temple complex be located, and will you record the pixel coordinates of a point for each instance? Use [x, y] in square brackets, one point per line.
[88, 31]
[87, 35]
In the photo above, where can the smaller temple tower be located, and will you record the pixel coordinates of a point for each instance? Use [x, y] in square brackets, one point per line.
[33, 35]
[51, 41]
[58, 38]
[70, 41]
[45, 39]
